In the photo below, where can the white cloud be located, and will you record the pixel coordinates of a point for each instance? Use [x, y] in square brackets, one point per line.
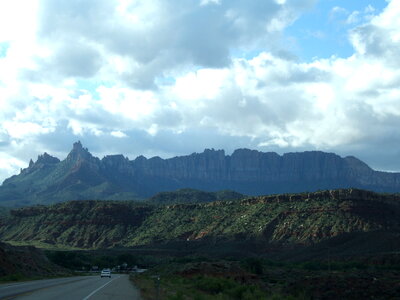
[118, 134]
[18, 20]
[20, 130]
[353, 18]
[201, 84]
[369, 9]
[337, 12]
[131, 104]
[342, 15]
[206, 2]
[9, 165]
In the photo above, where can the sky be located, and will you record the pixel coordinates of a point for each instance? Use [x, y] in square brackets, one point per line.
[169, 78]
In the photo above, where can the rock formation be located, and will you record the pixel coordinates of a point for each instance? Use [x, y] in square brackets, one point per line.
[83, 176]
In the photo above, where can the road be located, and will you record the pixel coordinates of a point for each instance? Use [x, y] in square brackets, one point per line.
[118, 287]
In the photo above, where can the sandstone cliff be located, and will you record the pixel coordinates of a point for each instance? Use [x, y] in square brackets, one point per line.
[115, 177]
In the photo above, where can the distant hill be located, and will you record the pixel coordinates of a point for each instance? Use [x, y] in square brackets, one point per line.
[193, 196]
[339, 219]
[82, 176]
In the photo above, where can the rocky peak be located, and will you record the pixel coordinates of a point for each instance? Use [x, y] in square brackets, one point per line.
[115, 161]
[77, 146]
[78, 152]
[244, 151]
[213, 152]
[245, 154]
[116, 158]
[46, 159]
[140, 159]
[42, 161]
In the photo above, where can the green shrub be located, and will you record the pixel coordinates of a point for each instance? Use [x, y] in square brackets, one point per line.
[254, 265]
[13, 277]
[214, 285]
[243, 292]
[178, 296]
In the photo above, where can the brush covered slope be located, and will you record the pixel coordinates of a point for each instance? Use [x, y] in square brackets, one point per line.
[25, 261]
[81, 176]
[193, 196]
[74, 224]
[4, 211]
[274, 222]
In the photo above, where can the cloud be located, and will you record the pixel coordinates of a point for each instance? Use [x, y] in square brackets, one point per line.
[165, 78]
[118, 134]
[19, 130]
[356, 17]
[155, 37]
[207, 2]
[9, 165]
[337, 12]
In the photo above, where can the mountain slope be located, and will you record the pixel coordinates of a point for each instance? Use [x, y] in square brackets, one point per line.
[273, 221]
[49, 180]
[4, 211]
[115, 177]
[193, 196]
[77, 224]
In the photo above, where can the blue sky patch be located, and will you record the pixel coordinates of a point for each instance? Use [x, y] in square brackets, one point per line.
[323, 31]
[4, 48]
[91, 86]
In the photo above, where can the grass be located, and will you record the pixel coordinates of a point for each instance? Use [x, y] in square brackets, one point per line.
[214, 280]
[13, 277]
[17, 277]
[197, 288]
[255, 278]
[42, 245]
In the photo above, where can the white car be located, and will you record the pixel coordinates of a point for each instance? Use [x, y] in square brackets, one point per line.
[105, 273]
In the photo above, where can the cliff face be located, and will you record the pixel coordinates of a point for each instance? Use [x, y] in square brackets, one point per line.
[248, 166]
[253, 172]
[83, 176]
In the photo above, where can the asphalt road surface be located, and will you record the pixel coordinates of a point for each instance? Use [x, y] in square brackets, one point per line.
[118, 287]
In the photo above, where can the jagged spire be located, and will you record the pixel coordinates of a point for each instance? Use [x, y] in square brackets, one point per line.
[79, 152]
[45, 158]
[77, 145]
[31, 163]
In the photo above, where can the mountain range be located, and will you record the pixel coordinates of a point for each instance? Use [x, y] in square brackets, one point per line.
[82, 176]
